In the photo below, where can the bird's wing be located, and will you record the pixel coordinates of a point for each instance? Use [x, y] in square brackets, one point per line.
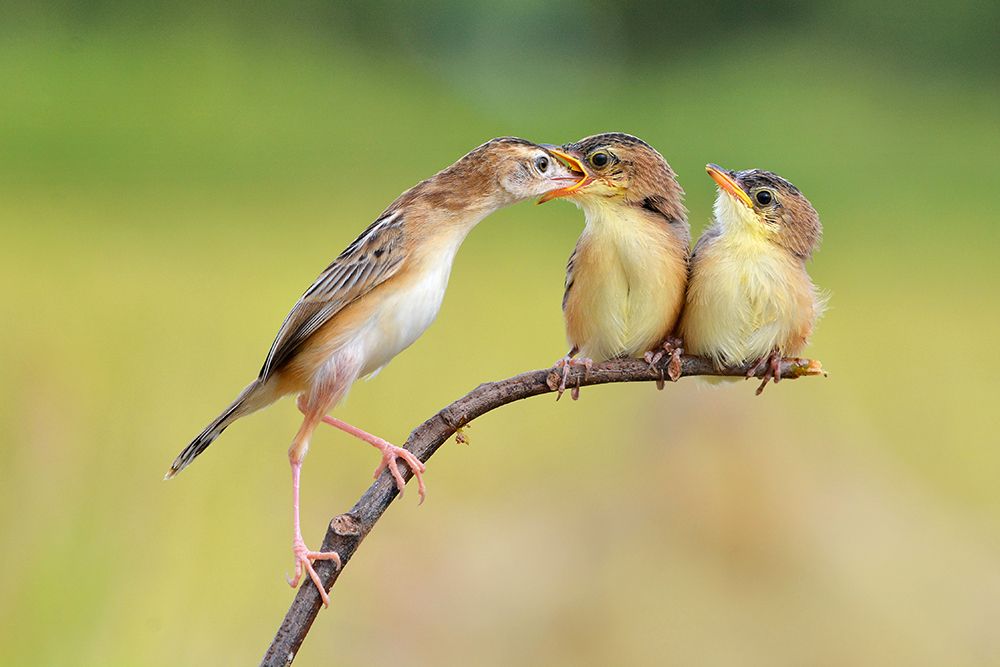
[570, 266]
[706, 239]
[374, 257]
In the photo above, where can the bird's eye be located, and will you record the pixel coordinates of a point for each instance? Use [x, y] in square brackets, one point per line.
[600, 159]
[542, 164]
[764, 197]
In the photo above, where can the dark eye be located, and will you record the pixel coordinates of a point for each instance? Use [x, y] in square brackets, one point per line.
[600, 159]
[542, 163]
[764, 197]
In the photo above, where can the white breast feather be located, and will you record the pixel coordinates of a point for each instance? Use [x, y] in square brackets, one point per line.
[411, 308]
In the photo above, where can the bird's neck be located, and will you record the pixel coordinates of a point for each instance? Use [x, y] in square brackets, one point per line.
[613, 222]
[457, 198]
[740, 225]
[441, 232]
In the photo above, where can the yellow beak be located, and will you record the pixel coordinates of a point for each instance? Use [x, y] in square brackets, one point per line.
[728, 183]
[574, 163]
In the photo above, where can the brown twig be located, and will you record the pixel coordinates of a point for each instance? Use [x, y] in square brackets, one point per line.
[346, 531]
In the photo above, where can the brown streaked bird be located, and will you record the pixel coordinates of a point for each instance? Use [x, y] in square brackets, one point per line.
[625, 279]
[750, 299]
[377, 298]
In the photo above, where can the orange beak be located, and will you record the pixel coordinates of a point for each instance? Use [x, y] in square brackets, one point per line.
[728, 183]
[573, 162]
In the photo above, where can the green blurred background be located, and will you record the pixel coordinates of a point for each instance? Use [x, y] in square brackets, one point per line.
[172, 178]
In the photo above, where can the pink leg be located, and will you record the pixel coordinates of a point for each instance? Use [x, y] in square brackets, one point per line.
[390, 453]
[303, 556]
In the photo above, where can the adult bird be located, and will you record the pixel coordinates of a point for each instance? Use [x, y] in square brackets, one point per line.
[375, 299]
[626, 277]
[750, 298]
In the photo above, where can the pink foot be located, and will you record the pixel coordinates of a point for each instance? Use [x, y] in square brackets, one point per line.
[389, 455]
[303, 557]
[304, 562]
[771, 364]
[566, 365]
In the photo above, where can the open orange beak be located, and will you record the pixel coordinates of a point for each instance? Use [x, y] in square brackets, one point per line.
[728, 183]
[573, 162]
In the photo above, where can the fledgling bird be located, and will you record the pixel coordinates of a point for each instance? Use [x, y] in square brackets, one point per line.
[375, 299]
[750, 299]
[626, 277]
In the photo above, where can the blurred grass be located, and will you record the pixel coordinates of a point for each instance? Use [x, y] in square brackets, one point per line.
[168, 188]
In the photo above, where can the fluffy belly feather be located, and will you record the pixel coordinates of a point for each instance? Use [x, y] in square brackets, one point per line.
[403, 317]
[629, 319]
[628, 288]
[742, 307]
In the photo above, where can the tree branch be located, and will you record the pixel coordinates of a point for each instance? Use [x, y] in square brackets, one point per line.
[346, 531]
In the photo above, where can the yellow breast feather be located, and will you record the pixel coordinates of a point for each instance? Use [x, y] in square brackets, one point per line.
[626, 285]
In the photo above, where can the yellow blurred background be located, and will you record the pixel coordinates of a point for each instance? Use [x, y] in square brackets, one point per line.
[173, 177]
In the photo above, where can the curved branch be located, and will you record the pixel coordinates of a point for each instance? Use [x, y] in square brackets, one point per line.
[346, 531]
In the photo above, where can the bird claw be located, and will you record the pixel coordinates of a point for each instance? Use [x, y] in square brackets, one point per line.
[652, 358]
[565, 365]
[390, 453]
[771, 365]
[671, 347]
[304, 564]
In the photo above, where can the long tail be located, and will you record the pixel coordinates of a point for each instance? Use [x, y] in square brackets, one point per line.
[251, 399]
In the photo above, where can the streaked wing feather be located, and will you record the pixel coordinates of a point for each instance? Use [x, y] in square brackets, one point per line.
[371, 259]
[570, 265]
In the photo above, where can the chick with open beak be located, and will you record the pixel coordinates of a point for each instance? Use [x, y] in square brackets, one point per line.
[750, 298]
[626, 278]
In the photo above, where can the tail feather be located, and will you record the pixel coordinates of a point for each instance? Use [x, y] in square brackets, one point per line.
[247, 402]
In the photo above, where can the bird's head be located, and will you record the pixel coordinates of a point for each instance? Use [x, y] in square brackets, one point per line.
[764, 204]
[622, 170]
[508, 169]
